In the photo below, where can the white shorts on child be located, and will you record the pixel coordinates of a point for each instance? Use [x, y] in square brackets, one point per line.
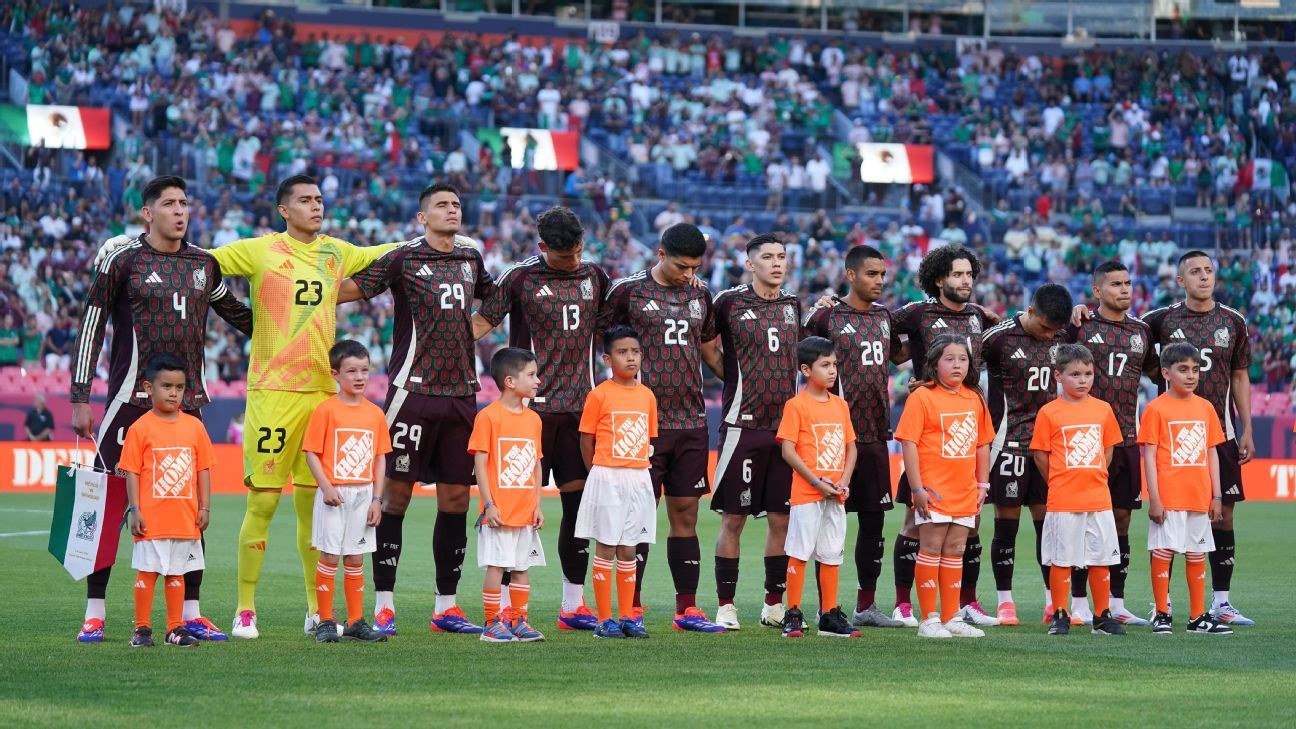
[817, 531]
[168, 556]
[513, 548]
[344, 529]
[935, 517]
[1183, 532]
[618, 507]
[1079, 539]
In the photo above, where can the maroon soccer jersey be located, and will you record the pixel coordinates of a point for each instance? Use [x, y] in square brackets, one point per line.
[158, 302]
[759, 337]
[864, 340]
[1122, 350]
[432, 340]
[923, 321]
[673, 323]
[1221, 336]
[554, 314]
[1020, 369]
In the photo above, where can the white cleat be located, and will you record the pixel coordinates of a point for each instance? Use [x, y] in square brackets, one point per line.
[958, 628]
[245, 626]
[727, 616]
[1125, 617]
[772, 615]
[904, 613]
[932, 628]
[972, 614]
[1080, 613]
[312, 624]
[872, 617]
[1227, 614]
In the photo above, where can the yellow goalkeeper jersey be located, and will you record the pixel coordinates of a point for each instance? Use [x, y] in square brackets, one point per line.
[294, 304]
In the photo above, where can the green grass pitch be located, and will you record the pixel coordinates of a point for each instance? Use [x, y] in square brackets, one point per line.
[1013, 676]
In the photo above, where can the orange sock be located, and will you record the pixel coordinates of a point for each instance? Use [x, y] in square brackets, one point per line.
[490, 604]
[1100, 588]
[1060, 587]
[173, 592]
[626, 574]
[1196, 572]
[796, 570]
[353, 583]
[603, 588]
[828, 586]
[927, 577]
[1161, 561]
[519, 596]
[951, 584]
[324, 574]
[145, 582]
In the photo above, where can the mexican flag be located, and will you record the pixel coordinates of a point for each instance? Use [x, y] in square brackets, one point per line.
[88, 509]
[551, 150]
[896, 163]
[1271, 175]
[56, 127]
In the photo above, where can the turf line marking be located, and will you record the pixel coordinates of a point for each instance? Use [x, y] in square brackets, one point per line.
[26, 511]
[24, 534]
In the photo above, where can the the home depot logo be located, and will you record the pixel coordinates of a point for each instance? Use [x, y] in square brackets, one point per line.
[830, 446]
[1188, 442]
[353, 454]
[173, 473]
[958, 435]
[630, 435]
[1083, 445]
[516, 462]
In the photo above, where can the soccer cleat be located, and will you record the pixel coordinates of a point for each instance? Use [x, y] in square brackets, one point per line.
[793, 624]
[872, 617]
[385, 621]
[1106, 624]
[1169, 610]
[202, 629]
[360, 630]
[1125, 617]
[312, 622]
[727, 617]
[1061, 623]
[904, 613]
[932, 627]
[1162, 624]
[609, 629]
[181, 638]
[1229, 615]
[453, 621]
[498, 632]
[92, 631]
[695, 621]
[582, 618]
[833, 624]
[143, 637]
[632, 629]
[327, 632]
[1049, 614]
[1206, 624]
[523, 630]
[959, 628]
[1008, 614]
[772, 615]
[1081, 614]
[245, 626]
[972, 614]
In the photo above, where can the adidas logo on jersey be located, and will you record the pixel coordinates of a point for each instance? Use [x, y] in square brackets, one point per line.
[153, 278]
[544, 291]
[651, 306]
[1178, 334]
[848, 329]
[424, 272]
[1096, 339]
[748, 315]
[940, 324]
[1019, 355]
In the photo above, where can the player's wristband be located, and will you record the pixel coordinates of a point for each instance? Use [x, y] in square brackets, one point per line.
[983, 486]
[1217, 498]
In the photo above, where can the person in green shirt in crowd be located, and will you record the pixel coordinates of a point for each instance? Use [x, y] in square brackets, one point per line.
[10, 342]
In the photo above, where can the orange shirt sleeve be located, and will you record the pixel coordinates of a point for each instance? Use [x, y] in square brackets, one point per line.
[913, 418]
[593, 412]
[985, 425]
[313, 441]
[790, 426]
[1111, 429]
[483, 432]
[132, 456]
[1152, 426]
[1042, 439]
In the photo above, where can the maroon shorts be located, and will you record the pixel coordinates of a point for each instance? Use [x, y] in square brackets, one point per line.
[751, 476]
[118, 418]
[1230, 469]
[1015, 481]
[560, 444]
[678, 466]
[1125, 478]
[870, 484]
[429, 437]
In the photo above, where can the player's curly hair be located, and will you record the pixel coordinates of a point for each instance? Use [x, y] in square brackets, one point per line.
[939, 262]
[560, 229]
[972, 378]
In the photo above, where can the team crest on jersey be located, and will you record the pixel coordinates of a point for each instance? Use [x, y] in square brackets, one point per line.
[695, 309]
[587, 290]
[885, 327]
[976, 325]
[1136, 344]
[789, 315]
[200, 279]
[1053, 352]
[1221, 338]
[403, 463]
[466, 272]
[330, 265]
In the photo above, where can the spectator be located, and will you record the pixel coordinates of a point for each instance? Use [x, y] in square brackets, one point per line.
[40, 421]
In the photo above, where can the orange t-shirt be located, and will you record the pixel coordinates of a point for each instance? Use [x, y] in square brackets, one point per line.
[167, 456]
[623, 421]
[947, 427]
[1182, 430]
[1076, 436]
[347, 439]
[511, 442]
[821, 430]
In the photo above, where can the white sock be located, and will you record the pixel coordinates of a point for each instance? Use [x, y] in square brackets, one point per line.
[1221, 597]
[1004, 596]
[1048, 599]
[444, 603]
[190, 610]
[506, 600]
[384, 600]
[573, 596]
[95, 608]
[1117, 605]
[1079, 604]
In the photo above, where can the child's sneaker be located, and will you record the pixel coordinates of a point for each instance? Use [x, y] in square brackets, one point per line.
[311, 624]
[245, 626]
[1008, 614]
[1081, 614]
[180, 637]
[327, 632]
[632, 629]
[1207, 625]
[523, 630]
[1228, 614]
[772, 615]
[972, 614]
[454, 621]
[904, 613]
[932, 627]
[727, 617]
[202, 629]
[582, 618]
[609, 629]
[360, 630]
[143, 637]
[1107, 624]
[793, 624]
[833, 624]
[694, 620]
[1125, 617]
[959, 628]
[872, 616]
[1162, 624]
[92, 631]
[1061, 623]
[498, 632]
[385, 621]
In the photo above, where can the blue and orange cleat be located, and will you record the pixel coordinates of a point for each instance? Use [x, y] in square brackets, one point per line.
[694, 620]
[385, 621]
[630, 628]
[582, 618]
[92, 631]
[202, 629]
[454, 621]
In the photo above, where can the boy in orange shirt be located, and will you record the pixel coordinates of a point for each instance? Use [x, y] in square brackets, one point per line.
[1179, 434]
[505, 444]
[166, 459]
[619, 508]
[346, 443]
[1072, 446]
[945, 435]
[818, 442]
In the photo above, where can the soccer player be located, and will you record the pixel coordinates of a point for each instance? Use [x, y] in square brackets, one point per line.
[947, 275]
[945, 435]
[346, 446]
[156, 289]
[1018, 353]
[1220, 335]
[1072, 445]
[676, 323]
[1122, 349]
[167, 459]
[818, 444]
[431, 398]
[618, 511]
[552, 301]
[759, 325]
[864, 336]
[1181, 437]
[506, 447]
